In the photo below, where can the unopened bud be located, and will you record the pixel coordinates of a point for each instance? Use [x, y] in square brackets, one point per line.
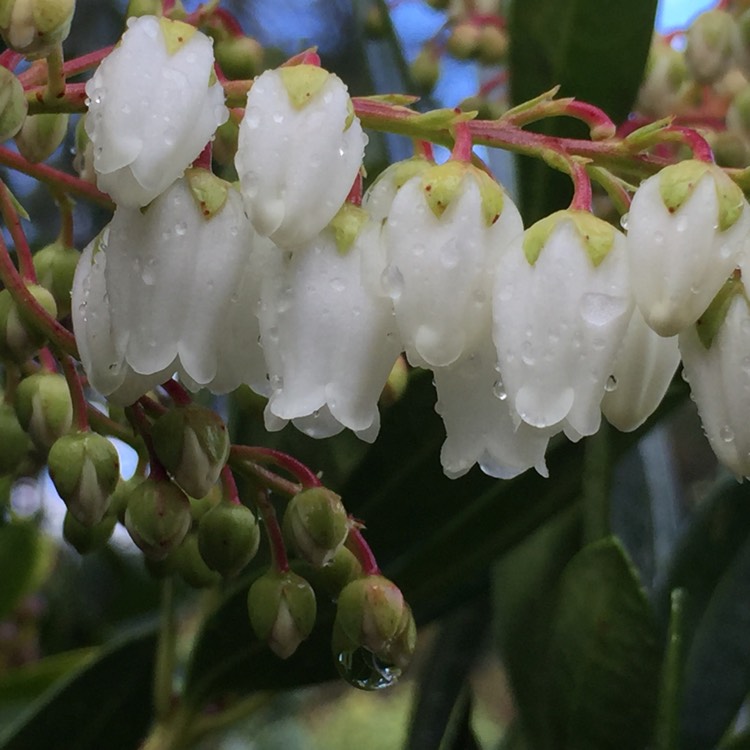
[199, 506]
[400, 649]
[55, 266]
[19, 337]
[83, 161]
[15, 443]
[397, 382]
[730, 149]
[710, 45]
[340, 571]
[157, 516]
[282, 611]
[35, 27]
[240, 57]
[189, 563]
[138, 8]
[493, 45]
[370, 612]
[192, 444]
[228, 538]
[41, 135]
[87, 539]
[463, 43]
[85, 469]
[44, 408]
[425, 70]
[315, 525]
[13, 104]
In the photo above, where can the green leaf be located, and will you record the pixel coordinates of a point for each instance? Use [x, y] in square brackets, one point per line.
[604, 655]
[667, 720]
[105, 704]
[595, 52]
[26, 557]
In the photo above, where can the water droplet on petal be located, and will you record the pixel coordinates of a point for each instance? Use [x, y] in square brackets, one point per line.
[362, 669]
[624, 221]
[393, 281]
[499, 390]
[726, 434]
[337, 285]
[611, 384]
[180, 229]
[602, 309]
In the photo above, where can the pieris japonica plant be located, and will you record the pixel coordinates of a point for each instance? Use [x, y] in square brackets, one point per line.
[255, 268]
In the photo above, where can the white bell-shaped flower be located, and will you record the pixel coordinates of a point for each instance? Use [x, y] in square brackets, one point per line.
[300, 149]
[479, 428]
[687, 229]
[562, 303]
[158, 293]
[445, 231]
[153, 105]
[646, 364]
[379, 197]
[716, 360]
[328, 335]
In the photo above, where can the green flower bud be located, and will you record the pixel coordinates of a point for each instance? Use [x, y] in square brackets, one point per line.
[315, 525]
[710, 45]
[85, 469]
[13, 104]
[397, 382]
[118, 502]
[192, 444]
[282, 611]
[35, 27]
[143, 8]
[493, 45]
[189, 563]
[87, 539]
[370, 612]
[240, 57]
[225, 142]
[19, 337]
[463, 43]
[400, 649]
[157, 517]
[41, 135]
[730, 149]
[228, 538]
[340, 571]
[44, 408]
[201, 505]
[15, 443]
[425, 70]
[55, 266]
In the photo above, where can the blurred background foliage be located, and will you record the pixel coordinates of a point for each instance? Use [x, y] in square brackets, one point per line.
[538, 631]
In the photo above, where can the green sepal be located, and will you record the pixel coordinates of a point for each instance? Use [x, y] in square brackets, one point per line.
[346, 226]
[493, 197]
[87, 539]
[303, 82]
[228, 538]
[401, 172]
[44, 408]
[440, 119]
[597, 235]
[442, 183]
[543, 98]
[55, 266]
[209, 192]
[708, 325]
[677, 183]
[341, 570]
[176, 34]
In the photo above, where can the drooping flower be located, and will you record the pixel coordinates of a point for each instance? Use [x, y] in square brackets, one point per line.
[300, 149]
[328, 334]
[157, 293]
[716, 359]
[687, 228]
[645, 366]
[562, 303]
[153, 106]
[445, 230]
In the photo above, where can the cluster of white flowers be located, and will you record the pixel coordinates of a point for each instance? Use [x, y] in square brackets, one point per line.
[309, 299]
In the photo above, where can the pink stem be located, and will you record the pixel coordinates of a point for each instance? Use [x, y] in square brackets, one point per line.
[355, 194]
[600, 125]
[493, 83]
[308, 57]
[177, 392]
[283, 460]
[694, 140]
[204, 158]
[230, 486]
[80, 407]
[582, 197]
[37, 73]
[423, 149]
[359, 547]
[137, 417]
[273, 532]
[463, 145]
[47, 360]
[21, 244]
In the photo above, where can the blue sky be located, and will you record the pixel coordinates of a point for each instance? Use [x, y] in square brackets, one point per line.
[676, 14]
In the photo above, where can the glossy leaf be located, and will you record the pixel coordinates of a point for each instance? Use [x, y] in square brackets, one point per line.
[106, 703]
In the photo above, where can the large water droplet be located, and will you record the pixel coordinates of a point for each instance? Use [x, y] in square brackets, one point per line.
[726, 434]
[602, 309]
[611, 384]
[624, 221]
[499, 390]
[393, 281]
[362, 669]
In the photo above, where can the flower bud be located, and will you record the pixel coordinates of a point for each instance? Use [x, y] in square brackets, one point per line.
[199, 506]
[13, 104]
[400, 650]
[369, 612]
[710, 45]
[85, 469]
[138, 8]
[239, 57]
[192, 443]
[730, 149]
[44, 408]
[282, 611]
[228, 538]
[19, 337]
[463, 43]
[41, 135]
[664, 81]
[342, 569]
[15, 443]
[687, 228]
[188, 561]
[315, 525]
[55, 267]
[35, 27]
[493, 45]
[87, 539]
[157, 517]
[83, 161]
[424, 70]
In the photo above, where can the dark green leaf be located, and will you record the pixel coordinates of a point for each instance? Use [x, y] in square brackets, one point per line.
[105, 704]
[604, 655]
[667, 720]
[571, 43]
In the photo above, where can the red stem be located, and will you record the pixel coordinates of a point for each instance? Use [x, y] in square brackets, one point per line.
[230, 486]
[47, 360]
[308, 57]
[137, 417]
[21, 244]
[359, 547]
[423, 149]
[273, 532]
[204, 158]
[355, 194]
[177, 392]
[37, 73]
[600, 125]
[693, 140]
[264, 476]
[582, 197]
[80, 406]
[283, 460]
[493, 83]
[463, 145]
[10, 59]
